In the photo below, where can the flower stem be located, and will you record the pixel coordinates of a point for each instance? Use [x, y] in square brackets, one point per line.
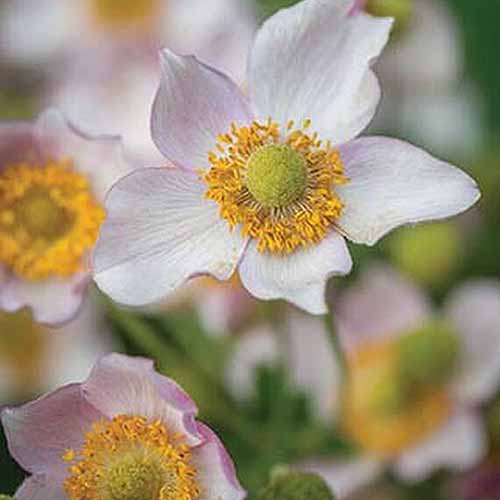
[337, 351]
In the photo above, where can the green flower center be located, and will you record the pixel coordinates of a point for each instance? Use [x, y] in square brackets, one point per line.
[133, 477]
[400, 10]
[276, 175]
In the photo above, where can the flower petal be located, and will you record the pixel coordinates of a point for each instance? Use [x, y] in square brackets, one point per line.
[459, 445]
[312, 61]
[101, 158]
[194, 104]
[40, 432]
[41, 487]
[122, 385]
[159, 232]
[394, 183]
[53, 301]
[299, 277]
[215, 469]
[474, 308]
[17, 143]
[346, 477]
[391, 305]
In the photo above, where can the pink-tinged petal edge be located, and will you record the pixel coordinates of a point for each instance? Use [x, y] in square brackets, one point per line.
[124, 385]
[215, 469]
[194, 104]
[41, 487]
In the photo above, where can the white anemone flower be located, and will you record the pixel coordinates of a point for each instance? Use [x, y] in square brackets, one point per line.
[271, 183]
[93, 88]
[422, 419]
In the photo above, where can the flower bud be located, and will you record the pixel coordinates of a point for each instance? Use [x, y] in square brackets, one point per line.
[290, 485]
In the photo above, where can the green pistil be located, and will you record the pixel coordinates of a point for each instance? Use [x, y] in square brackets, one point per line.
[428, 355]
[276, 176]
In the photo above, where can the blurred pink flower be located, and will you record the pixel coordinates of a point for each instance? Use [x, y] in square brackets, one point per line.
[126, 431]
[382, 309]
[253, 188]
[53, 179]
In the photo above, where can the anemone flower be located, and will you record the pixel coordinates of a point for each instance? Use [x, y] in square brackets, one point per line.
[416, 378]
[127, 432]
[271, 183]
[53, 179]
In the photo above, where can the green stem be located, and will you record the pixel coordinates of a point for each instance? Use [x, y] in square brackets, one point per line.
[337, 351]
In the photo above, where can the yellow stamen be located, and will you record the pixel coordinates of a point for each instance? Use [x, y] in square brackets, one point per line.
[406, 423]
[49, 220]
[131, 458]
[123, 14]
[248, 179]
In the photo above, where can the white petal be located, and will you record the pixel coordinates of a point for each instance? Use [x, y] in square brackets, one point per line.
[346, 477]
[299, 277]
[100, 158]
[313, 366]
[474, 308]
[194, 104]
[393, 183]
[312, 61]
[159, 232]
[53, 301]
[391, 305]
[459, 445]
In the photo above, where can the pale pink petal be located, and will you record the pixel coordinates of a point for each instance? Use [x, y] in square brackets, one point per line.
[459, 445]
[393, 183]
[160, 231]
[41, 487]
[300, 277]
[100, 158]
[216, 474]
[122, 385]
[18, 143]
[40, 432]
[381, 304]
[346, 477]
[194, 104]
[474, 309]
[53, 301]
[312, 61]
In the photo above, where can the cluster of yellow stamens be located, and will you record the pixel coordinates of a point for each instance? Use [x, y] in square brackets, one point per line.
[131, 458]
[49, 220]
[277, 184]
[378, 414]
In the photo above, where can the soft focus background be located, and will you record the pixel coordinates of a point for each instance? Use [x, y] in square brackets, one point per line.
[238, 357]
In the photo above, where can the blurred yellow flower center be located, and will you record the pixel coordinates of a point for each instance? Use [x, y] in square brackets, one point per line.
[123, 14]
[381, 413]
[23, 350]
[277, 184]
[49, 220]
[131, 458]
